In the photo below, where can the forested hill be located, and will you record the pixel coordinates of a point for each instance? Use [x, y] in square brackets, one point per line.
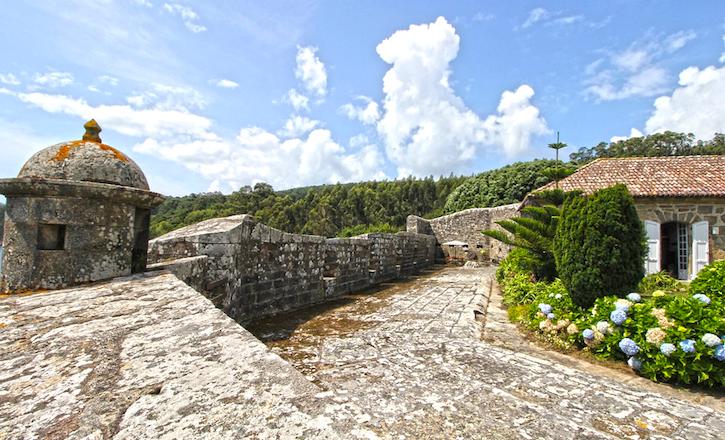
[324, 210]
[356, 208]
[348, 209]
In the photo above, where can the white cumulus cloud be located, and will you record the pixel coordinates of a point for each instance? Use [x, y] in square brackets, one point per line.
[297, 126]
[633, 133]
[636, 70]
[426, 127]
[368, 113]
[697, 106]
[124, 119]
[297, 100]
[107, 79]
[9, 79]
[257, 155]
[188, 16]
[53, 79]
[163, 96]
[311, 71]
[227, 84]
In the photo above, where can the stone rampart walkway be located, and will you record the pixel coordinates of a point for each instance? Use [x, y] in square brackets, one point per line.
[149, 357]
[411, 364]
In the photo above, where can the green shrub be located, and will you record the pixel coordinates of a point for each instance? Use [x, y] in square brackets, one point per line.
[710, 281]
[518, 289]
[658, 281]
[599, 245]
[518, 261]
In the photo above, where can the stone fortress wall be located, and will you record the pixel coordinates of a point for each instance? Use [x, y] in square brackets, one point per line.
[465, 227]
[251, 270]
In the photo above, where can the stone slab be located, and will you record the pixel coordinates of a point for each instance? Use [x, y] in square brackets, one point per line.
[142, 357]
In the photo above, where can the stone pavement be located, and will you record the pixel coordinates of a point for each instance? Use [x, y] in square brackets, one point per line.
[411, 364]
[148, 357]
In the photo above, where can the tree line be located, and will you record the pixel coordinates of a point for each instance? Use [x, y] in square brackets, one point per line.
[356, 208]
[660, 144]
[328, 210]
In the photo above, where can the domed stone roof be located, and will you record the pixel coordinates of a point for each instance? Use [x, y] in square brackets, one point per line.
[86, 160]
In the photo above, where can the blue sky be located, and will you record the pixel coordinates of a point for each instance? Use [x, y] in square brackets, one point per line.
[215, 95]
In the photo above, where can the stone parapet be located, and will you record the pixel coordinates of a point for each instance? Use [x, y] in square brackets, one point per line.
[254, 270]
[465, 228]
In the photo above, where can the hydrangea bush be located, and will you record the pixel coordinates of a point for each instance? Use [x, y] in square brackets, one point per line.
[668, 336]
[710, 281]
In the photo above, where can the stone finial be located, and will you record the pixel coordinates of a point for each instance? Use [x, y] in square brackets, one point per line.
[92, 131]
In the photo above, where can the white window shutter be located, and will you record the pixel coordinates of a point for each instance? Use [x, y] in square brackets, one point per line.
[700, 247]
[652, 262]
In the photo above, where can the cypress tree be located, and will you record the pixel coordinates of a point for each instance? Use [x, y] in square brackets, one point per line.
[599, 246]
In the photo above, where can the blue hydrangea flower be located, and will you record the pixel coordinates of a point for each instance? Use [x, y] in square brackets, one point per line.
[628, 347]
[711, 340]
[667, 349]
[622, 304]
[545, 308]
[719, 353]
[618, 316]
[588, 334]
[702, 298]
[634, 363]
[688, 346]
[634, 297]
[551, 316]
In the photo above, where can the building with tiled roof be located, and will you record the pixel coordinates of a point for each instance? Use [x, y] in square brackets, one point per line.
[670, 176]
[680, 199]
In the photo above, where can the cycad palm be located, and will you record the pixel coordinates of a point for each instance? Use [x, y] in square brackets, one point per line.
[533, 231]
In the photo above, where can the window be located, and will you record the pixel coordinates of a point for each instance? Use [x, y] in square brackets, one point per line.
[51, 237]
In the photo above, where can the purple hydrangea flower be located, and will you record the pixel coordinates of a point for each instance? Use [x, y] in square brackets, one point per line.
[634, 297]
[688, 346]
[628, 347]
[551, 316]
[634, 363]
[545, 308]
[719, 353]
[702, 298]
[588, 334]
[618, 316]
[667, 349]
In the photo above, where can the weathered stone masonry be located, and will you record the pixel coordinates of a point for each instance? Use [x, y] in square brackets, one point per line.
[466, 226]
[252, 270]
[688, 210]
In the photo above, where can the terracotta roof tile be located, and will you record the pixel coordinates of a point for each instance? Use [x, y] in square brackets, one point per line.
[670, 176]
